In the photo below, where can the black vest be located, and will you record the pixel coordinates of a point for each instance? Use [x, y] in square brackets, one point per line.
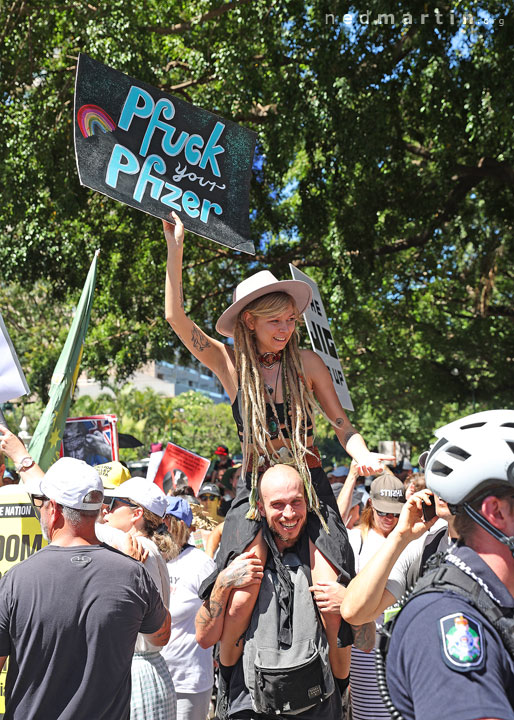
[440, 578]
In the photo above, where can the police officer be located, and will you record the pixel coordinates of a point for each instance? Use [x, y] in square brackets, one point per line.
[448, 659]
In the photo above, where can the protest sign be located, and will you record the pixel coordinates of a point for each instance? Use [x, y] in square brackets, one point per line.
[400, 449]
[181, 465]
[20, 536]
[12, 379]
[321, 338]
[93, 438]
[158, 153]
[153, 464]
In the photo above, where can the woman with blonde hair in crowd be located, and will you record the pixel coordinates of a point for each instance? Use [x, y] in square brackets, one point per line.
[276, 389]
[190, 666]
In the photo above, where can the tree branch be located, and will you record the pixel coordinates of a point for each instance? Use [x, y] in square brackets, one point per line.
[418, 150]
[441, 218]
[487, 167]
[197, 20]
[499, 311]
[400, 50]
[258, 113]
[177, 63]
[468, 177]
[7, 28]
[189, 83]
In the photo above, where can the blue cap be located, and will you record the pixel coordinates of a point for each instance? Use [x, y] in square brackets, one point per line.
[180, 508]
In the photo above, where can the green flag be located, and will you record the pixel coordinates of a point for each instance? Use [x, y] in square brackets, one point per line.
[46, 442]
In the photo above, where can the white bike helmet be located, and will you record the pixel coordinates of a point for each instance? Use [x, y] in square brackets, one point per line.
[471, 455]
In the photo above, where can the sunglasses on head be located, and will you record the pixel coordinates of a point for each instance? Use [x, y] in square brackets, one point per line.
[386, 514]
[122, 501]
[208, 497]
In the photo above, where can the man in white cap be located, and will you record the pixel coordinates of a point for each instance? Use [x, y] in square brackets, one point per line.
[70, 614]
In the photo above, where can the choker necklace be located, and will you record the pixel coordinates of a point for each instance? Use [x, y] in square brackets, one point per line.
[269, 359]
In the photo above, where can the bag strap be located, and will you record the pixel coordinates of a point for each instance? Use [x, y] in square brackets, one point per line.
[430, 548]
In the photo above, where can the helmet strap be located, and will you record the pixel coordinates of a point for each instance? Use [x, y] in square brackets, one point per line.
[486, 525]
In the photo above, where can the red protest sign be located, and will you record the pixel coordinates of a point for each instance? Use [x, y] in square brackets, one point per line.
[177, 463]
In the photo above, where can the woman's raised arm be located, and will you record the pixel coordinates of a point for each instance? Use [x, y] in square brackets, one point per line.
[212, 353]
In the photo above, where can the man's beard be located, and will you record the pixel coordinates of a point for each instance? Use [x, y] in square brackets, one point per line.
[287, 540]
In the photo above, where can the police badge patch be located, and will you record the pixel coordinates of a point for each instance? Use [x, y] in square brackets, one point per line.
[462, 642]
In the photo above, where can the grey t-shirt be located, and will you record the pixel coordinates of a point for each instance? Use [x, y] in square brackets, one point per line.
[69, 619]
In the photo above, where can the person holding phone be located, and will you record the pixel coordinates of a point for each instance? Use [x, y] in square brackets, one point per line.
[456, 628]
[401, 558]
[378, 520]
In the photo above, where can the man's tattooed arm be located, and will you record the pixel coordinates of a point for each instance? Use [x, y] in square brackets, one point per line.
[210, 610]
[211, 616]
[364, 636]
[162, 635]
[199, 340]
[243, 571]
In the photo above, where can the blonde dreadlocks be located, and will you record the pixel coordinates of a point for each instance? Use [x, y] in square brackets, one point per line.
[299, 400]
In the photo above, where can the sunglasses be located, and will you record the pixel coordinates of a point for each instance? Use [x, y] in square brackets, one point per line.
[38, 501]
[208, 497]
[387, 514]
[112, 502]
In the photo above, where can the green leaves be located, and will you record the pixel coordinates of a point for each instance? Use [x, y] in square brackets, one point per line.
[190, 420]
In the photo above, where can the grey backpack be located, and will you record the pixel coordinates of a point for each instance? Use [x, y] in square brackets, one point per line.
[286, 679]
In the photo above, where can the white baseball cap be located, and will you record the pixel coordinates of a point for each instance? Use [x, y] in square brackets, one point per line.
[68, 481]
[143, 492]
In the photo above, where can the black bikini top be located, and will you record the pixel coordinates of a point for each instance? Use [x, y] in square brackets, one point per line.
[273, 421]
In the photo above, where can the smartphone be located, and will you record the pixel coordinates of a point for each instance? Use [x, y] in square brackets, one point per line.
[428, 510]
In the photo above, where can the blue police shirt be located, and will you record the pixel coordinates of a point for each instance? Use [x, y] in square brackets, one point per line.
[446, 661]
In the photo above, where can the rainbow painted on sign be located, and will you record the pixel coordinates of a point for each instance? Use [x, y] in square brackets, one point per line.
[92, 118]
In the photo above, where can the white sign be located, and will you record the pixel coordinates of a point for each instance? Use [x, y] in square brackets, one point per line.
[12, 379]
[153, 465]
[321, 338]
[400, 449]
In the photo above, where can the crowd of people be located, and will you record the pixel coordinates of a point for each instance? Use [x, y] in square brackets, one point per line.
[118, 590]
[262, 595]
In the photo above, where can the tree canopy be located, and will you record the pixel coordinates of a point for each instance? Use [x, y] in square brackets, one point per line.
[384, 169]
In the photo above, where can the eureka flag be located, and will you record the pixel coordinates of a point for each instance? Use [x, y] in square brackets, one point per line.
[46, 442]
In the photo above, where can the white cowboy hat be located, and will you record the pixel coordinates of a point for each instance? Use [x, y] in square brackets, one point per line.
[262, 283]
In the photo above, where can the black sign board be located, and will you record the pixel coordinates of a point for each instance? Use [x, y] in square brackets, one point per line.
[158, 153]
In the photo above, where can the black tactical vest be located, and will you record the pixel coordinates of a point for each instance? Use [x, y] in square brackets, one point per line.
[440, 578]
